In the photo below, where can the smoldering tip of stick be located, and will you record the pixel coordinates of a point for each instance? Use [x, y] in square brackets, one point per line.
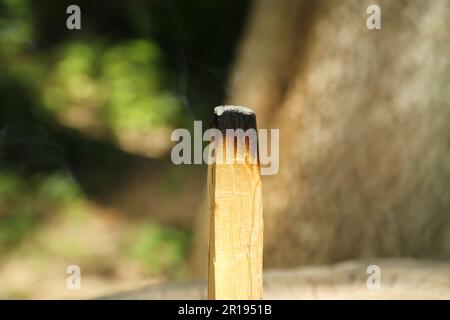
[233, 117]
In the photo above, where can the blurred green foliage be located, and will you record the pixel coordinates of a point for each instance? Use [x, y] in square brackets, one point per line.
[23, 201]
[66, 99]
[119, 86]
[16, 27]
[160, 249]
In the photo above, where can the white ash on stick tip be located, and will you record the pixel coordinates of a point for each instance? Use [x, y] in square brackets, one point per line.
[233, 117]
[240, 109]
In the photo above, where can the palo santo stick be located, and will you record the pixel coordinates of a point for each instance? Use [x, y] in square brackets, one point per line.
[235, 202]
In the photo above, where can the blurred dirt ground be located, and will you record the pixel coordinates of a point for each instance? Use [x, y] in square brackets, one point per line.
[400, 279]
[113, 253]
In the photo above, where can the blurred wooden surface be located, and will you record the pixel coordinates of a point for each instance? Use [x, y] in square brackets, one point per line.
[400, 279]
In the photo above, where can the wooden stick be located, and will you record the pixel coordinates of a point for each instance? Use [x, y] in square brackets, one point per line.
[236, 225]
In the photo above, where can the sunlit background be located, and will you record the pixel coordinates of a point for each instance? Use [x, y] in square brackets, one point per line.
[85, 116]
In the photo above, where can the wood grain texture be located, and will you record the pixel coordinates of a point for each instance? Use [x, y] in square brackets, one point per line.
[236, 225]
